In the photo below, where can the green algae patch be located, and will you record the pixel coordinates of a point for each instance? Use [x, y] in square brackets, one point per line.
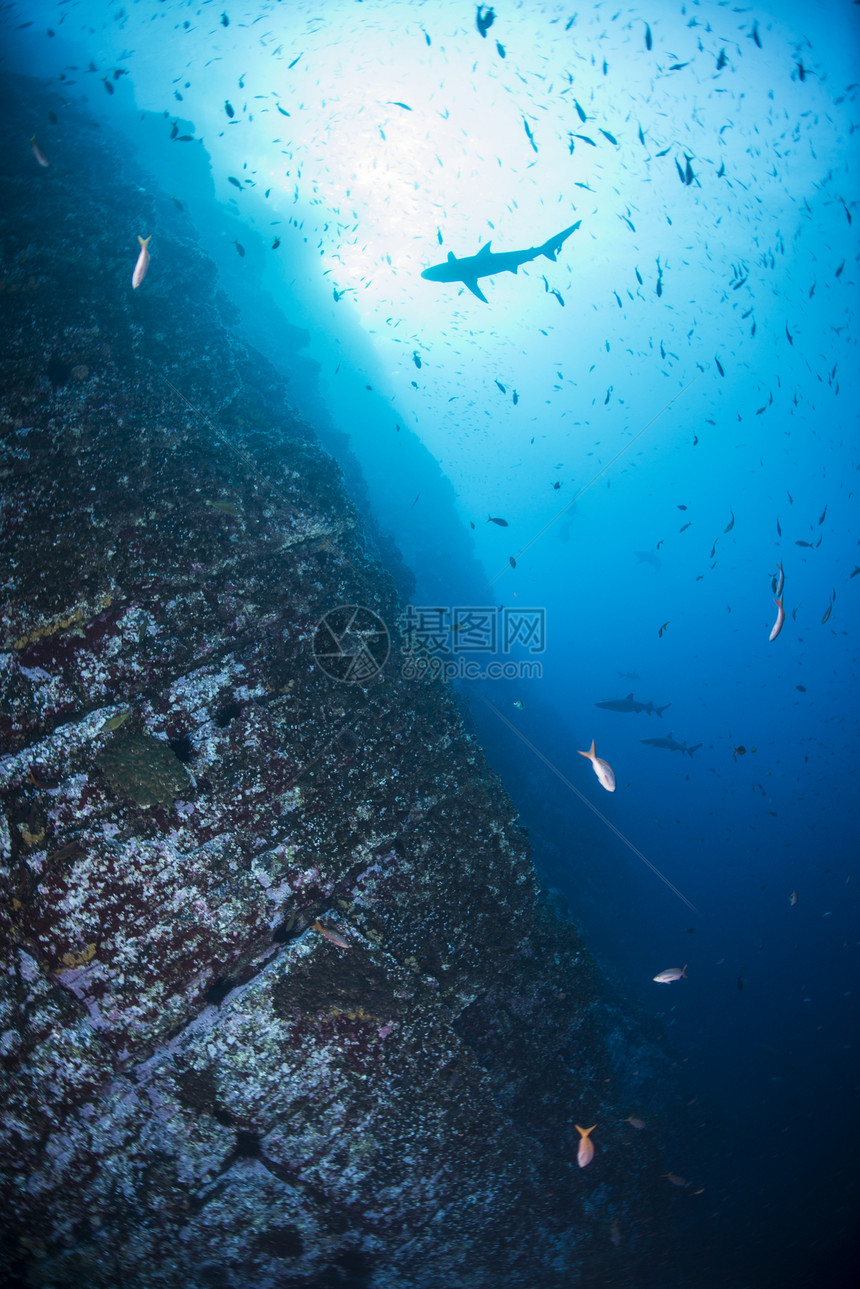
[143, 768]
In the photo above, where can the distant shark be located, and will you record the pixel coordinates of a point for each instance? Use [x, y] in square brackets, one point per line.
[647, 557]
[672, 744]
[630, 704]
[485, 263]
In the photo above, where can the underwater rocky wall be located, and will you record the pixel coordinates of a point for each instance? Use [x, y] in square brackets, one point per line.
[281, 1006]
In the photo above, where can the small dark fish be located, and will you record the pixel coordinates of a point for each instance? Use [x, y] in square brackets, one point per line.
[291, 65]
[516, 397]
[579, 111]
[228, 108]
[174, 131]
[719, 366]
[416, 358]
[802, 688]
[730, 525]
[612, 139]
[789, 336]
[240, 248]
[823, 513]
[484, 20]
[680, 506]
[639, 278]
[827, 613]
[677, 67]
[512, 561]
[802, 543]
[778, 527]
[492, 519]
[107, 85]
[276, 243]
[283, 111]
[501, 49]
[721, 60]
[405, 106]
[839, 270]
[662, 629]
[684, 527]
[225, 21]
[235, 182]
[529, 134]
[501, 387]
[647, 36]
[558, 297]
[585, 139]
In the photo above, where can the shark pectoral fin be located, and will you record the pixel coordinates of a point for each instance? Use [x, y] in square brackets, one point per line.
[472, 284]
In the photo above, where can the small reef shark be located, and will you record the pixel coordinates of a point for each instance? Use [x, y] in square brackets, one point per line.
[630, 704]
[648, 557]
[485, 263]
[672, 744]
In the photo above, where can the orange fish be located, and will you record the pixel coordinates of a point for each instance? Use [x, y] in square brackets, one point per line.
[585, 1154]
[603, 770]
[331, 935]
[671, 973]
[142, 262]
[38, 153]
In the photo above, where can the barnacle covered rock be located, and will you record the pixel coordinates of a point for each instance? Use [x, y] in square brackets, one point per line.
[201, 1089]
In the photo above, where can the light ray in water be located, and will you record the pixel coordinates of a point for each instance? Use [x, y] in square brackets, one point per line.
[600, 472]
[567, 783]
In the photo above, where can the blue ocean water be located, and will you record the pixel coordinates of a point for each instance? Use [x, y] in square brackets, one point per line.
[665, 417]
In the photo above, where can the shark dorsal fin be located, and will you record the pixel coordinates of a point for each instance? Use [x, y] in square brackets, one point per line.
[451, 256]
[485, 250]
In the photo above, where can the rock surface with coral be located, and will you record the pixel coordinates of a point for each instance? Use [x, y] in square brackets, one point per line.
[281, 1006]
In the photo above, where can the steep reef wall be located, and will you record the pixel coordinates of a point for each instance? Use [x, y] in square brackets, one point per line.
[280, 1005]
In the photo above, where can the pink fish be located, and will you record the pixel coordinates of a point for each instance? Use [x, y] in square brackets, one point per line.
[38, 153]
[331, 935]
[780, 618]
[142, 262]
[670, 974]
[585, 1154]
[604, 771]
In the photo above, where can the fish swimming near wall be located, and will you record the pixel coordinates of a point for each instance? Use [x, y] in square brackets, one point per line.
[604, 771]
[486, 263]
[671, 973]
[142, 264]
[585, 1153]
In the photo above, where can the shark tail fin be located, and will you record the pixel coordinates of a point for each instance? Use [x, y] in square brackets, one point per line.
[661, 710]
[694, 748]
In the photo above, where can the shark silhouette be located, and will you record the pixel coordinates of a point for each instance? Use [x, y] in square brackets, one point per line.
[671, 744]
[630, 704]
[486, 263]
